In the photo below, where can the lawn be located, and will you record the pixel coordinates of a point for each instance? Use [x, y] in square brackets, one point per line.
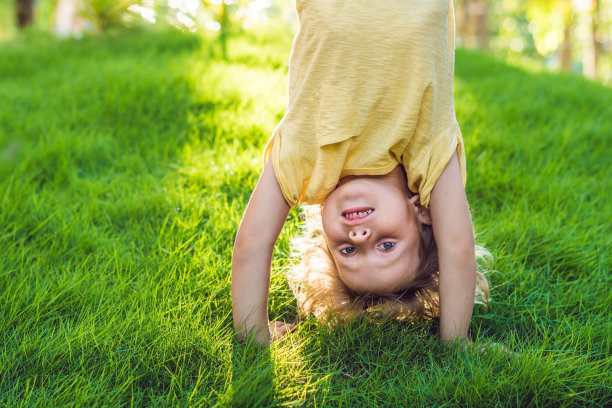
[126, 162]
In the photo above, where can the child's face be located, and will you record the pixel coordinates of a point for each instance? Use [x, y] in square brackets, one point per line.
[371, 228]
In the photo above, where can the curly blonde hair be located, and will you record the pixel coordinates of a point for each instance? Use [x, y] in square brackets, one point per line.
[320, 292]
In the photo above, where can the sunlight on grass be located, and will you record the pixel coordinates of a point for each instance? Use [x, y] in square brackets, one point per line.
[120, 196]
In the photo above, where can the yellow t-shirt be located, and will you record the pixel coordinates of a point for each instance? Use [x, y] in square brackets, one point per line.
[370, 87]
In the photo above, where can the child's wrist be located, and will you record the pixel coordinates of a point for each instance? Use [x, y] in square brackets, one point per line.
[461, 342]
[259, 331]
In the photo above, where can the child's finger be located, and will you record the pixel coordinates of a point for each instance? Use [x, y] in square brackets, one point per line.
[279, 329]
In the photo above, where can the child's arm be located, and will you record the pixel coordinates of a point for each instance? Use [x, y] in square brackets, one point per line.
[452, 226]
[261, 224]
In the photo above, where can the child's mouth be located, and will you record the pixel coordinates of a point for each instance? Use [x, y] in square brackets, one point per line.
[357, 213]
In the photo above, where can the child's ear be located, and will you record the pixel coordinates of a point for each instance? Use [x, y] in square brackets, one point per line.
[422, 212]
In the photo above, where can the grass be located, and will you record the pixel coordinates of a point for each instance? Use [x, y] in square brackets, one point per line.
[126, 163]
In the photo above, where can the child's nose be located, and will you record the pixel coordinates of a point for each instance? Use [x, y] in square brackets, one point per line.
[359, 234]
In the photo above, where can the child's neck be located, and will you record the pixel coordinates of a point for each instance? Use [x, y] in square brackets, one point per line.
[397, 176]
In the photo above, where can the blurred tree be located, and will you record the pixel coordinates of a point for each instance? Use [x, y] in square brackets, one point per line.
[552, 28]
[223, 11]
[602, 27]
[104, 14]
[566, 47]
[571, 34]
[64, 17]
[587, 11]
[565, 25]
[225, 27]
[471, 22]
[25, 12]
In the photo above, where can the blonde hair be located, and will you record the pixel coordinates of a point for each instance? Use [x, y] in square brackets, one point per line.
[320, 292]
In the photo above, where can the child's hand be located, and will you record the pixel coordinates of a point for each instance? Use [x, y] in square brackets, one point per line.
[279, 329]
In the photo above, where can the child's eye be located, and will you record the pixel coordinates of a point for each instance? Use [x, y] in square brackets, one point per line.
[387, 245]
[347, 250]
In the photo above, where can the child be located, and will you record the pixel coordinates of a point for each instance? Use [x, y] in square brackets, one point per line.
[370, 138]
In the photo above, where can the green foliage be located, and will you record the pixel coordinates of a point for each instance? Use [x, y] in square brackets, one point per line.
[106, 13]
[7, 19]
[574, 35]
[126, 162]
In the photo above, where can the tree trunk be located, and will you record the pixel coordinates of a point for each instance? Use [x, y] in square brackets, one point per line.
[589, 50]
[482, 30]
[566, 48]
[25, 12]
[65, 15]
[461, 18]
[595, 27]
[472, 24]
[225, 22]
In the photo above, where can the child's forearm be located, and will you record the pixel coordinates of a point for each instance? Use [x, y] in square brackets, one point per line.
[452, 225]
[250, 286]
[261, 224]
[457, 289]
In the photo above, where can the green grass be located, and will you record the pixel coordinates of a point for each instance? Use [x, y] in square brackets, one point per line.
[126, 163]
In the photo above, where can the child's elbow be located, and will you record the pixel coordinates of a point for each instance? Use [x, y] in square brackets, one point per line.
[466, 251]
[249, 243]
[461, 254]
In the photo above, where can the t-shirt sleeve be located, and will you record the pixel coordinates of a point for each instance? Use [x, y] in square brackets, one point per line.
[437, 134]
[288, 184]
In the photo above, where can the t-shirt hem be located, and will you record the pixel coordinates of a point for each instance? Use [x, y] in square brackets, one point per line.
[370, 171]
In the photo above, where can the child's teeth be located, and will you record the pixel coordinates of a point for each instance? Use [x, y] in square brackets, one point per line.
[358, 213]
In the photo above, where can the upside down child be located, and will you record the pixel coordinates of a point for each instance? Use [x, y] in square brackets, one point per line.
[369, 141]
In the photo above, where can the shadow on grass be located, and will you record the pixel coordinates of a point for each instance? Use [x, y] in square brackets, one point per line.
[252, 377]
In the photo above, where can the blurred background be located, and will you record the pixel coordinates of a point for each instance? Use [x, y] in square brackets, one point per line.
[568, 35]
